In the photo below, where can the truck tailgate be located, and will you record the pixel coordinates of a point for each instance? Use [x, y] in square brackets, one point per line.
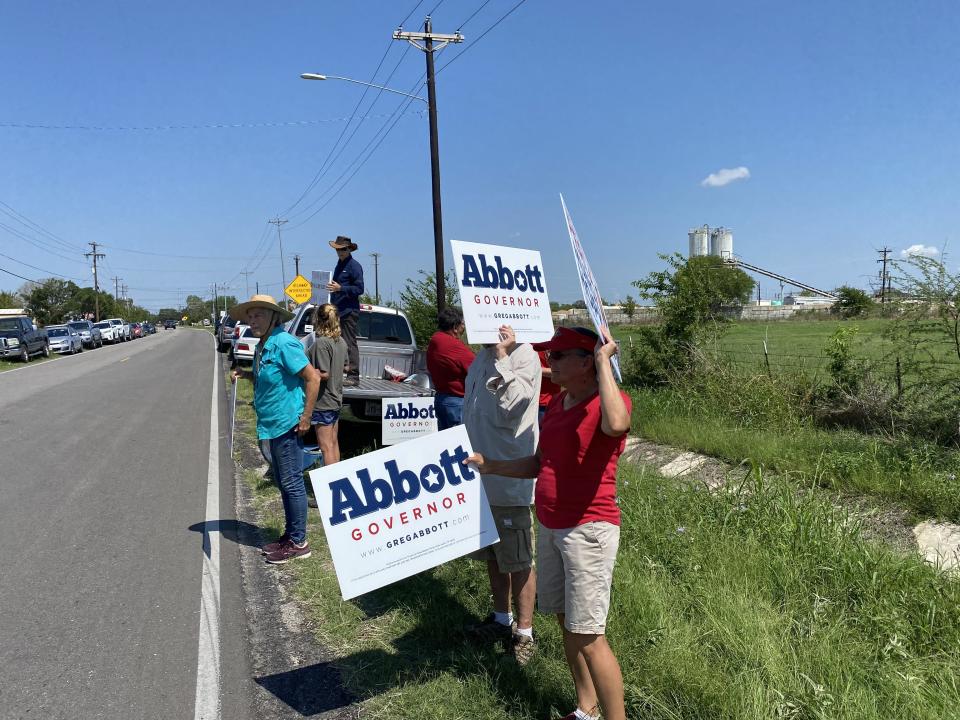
[376, 388]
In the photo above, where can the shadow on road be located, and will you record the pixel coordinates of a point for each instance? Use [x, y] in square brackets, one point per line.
[238, 531]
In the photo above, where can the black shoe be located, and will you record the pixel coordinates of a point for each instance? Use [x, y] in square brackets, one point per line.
[489, 630]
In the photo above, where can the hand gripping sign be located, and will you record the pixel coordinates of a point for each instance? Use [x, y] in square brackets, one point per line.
[502, 286]
[399, 511]
[588, 285]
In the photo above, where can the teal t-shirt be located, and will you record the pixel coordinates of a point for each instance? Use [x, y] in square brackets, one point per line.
[277, 386]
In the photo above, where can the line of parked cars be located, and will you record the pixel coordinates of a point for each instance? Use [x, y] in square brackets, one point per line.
[19, 338]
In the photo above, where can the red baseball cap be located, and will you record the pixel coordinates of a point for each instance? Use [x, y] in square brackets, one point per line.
[570, 339]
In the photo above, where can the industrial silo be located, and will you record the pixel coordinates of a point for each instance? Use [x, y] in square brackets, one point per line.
[699, 241]
[721, 243]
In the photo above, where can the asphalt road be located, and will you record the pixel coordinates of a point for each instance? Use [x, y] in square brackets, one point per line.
[104, 463]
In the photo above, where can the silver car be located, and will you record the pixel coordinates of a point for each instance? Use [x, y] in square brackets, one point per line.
[64, 339]
[89, 333]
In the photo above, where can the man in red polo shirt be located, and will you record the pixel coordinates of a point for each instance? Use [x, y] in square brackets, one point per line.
[448, 360]
[581, 438]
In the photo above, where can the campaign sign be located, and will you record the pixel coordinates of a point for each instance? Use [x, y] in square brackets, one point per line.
[406, 418]
[399, 511]
[502, 286]
[318, 286]
[588, 285]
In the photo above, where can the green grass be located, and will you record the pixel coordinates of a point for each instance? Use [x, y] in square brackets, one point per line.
[758, 602]
[13, 364]
[748, 604]
[920, 475]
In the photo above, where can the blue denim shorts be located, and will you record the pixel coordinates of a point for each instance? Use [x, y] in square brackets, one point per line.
[324, 417]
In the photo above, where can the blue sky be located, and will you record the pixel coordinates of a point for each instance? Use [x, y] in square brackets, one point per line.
[845, 115]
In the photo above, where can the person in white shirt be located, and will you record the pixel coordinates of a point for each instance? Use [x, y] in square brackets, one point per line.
[502, 391]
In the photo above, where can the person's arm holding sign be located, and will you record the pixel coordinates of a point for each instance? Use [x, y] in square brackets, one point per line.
[614, 416]
[521, 468]
[517, 383]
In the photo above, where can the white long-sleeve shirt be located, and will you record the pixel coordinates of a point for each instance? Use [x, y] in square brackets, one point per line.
[500, 407]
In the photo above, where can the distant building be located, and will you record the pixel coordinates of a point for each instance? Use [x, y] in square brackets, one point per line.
[808, 301]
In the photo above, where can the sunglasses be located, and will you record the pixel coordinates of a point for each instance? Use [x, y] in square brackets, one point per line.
[560, 354]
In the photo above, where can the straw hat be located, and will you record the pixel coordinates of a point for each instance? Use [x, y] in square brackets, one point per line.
[343, 243]
[239, 312]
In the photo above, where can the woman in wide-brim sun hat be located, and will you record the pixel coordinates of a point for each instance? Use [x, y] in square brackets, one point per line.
[285, 387]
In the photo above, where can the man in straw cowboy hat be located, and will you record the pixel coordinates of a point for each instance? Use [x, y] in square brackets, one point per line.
[346, 287]
[285, 387]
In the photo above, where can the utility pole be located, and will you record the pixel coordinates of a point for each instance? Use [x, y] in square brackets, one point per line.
[246, 280]
[283, 273]
[116, 288]
[376, 276]
[884, 278]
[296, 263]
[258, 287]
[96, 284]
[428, 37]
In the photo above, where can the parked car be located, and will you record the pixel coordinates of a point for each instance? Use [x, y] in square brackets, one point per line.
[384, 337]
[123, 328]
[136, 330]
[245, 345]
[225, 333]
[169, 324]
[64, 339]
[108, 331]
[20, 339]
[149, 328]
[89, 333]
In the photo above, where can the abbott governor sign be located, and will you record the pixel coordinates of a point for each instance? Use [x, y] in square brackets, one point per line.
[502, 286]
[399, 511]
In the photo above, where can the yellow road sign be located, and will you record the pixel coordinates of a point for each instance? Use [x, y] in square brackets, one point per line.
[299, 290]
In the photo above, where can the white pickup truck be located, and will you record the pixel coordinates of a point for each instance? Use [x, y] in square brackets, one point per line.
[384, 337]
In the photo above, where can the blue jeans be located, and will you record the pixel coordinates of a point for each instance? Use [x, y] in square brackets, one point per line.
[449, 409]
[285, 459]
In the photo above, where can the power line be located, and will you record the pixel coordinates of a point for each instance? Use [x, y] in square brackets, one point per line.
[24, 220]
[17, 276]
[480, 37]
[475, 13]
[162, 128]
[37, 243]
[43, 270]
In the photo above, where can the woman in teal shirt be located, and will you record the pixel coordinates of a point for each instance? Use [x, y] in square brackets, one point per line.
[285, 389]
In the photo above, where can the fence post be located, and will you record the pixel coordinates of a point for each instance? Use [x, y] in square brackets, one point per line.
[766, 358]
[899, 379]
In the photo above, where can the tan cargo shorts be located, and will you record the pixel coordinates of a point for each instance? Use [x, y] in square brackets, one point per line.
[514, 552]
[575, 572]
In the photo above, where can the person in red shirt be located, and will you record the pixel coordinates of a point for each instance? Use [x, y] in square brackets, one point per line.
[448, 360]
[581, 438]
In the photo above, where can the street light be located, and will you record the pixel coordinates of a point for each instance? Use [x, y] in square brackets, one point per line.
[434, 160]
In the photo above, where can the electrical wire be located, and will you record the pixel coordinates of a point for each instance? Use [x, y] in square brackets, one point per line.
[37, 243]
[356, 128]
[17, 276]
[479, 37]
[475, 13]
[43, 270]
[36, 227]
[162, 128]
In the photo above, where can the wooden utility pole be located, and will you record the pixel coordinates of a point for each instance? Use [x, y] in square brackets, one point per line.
[884, 278]
[96, 284]
[283, 273]
[376, 276]
[296, 263]
[429, 37]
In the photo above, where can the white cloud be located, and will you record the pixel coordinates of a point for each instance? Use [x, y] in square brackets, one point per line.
[725, 176]
[918, 249]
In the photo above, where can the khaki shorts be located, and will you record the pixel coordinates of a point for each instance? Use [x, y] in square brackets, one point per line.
[514, 552]
[574, 574]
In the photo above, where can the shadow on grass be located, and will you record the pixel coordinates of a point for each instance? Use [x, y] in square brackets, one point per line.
[309, 690]
[435, 646]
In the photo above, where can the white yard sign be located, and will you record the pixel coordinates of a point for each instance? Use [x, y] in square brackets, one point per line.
[399, 511]
[588, 285]
[502, 286]
[406, 418]
[318, 283]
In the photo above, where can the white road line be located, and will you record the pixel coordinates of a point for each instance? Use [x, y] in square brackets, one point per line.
[207, 705]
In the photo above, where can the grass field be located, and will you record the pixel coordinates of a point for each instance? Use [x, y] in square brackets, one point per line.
[754, 603]
[798, 345]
